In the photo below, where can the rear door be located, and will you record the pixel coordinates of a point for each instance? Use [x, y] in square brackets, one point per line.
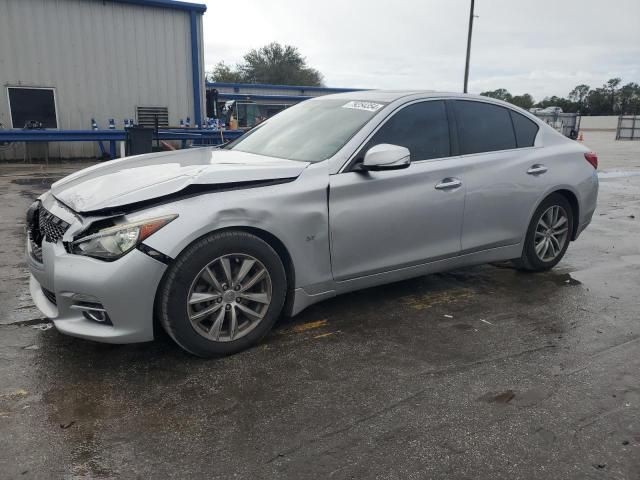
[505, 173]
[387, 220]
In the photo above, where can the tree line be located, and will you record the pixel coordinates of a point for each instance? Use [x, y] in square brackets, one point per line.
[612, 98]
[274, 63]
[284, 65]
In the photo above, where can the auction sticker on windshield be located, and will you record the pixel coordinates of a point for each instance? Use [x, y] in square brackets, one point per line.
[368, 106]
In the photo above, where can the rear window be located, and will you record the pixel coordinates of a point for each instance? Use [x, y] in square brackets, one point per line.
[526, 130]
[483, 127]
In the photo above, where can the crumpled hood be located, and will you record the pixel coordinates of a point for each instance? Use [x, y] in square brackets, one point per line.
[145, 177]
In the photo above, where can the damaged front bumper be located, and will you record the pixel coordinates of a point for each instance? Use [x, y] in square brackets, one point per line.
[109, 302]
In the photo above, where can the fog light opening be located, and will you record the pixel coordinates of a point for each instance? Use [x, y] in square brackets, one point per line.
[94, 312]
[96, 316]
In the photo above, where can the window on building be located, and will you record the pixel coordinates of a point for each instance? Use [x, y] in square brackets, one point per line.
[270, 109]
[28, 105]
[526, 130]
[483, 127]
[422, 128]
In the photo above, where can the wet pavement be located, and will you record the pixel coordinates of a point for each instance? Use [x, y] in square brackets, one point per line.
[482, 372]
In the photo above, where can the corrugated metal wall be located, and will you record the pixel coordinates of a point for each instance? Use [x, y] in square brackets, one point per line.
[102, 58]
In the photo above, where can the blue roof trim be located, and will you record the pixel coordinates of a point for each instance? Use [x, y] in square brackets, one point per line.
[253, 96]
[194, 7]
[267, 86]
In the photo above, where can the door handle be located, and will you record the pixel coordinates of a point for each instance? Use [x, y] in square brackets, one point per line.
[448, 184]
[537, 169]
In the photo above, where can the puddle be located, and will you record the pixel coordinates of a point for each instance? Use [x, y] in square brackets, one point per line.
[43, 181]
[563, 279]
[501, 397]
[463, 326]
[619, 174]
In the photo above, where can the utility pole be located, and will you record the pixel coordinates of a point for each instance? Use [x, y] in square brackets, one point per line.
[466, 68]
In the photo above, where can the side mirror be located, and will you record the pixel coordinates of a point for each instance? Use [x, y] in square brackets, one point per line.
[386, 157]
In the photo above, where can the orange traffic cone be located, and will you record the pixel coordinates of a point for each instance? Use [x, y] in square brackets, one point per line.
[580, 136]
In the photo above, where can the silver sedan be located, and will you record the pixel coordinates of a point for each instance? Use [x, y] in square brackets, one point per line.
[332, 195]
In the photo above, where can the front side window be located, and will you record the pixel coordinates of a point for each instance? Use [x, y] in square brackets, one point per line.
[421, 127]
[483, 127]
[310, 131]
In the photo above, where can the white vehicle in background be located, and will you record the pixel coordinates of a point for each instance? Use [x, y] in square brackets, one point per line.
[568, 124]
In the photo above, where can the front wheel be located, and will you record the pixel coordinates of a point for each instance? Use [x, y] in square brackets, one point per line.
[548, 235]
[222, 294]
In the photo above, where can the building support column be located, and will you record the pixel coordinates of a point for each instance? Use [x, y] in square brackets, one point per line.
[195, 66]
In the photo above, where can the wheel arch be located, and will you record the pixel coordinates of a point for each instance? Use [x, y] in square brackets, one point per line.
[275, 243]
[272, 240]
[571, 197]
[575, 208]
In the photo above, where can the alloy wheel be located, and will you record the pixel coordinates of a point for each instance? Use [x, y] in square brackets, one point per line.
[229, 297]
[552, 233]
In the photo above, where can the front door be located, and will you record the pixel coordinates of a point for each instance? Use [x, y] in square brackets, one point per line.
[386, 220]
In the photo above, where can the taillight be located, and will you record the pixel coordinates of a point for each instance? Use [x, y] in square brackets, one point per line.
[592, 158]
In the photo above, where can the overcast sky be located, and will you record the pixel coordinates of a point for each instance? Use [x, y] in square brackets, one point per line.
[542, 47]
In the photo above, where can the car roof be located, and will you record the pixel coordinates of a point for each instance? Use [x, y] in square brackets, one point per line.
[391, 95]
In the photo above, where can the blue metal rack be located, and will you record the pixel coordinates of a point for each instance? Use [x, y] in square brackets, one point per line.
[199, 137]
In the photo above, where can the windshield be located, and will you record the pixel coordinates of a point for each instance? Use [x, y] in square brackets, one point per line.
[310, 131]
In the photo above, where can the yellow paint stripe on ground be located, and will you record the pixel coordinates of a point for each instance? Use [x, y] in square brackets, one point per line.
[425, 301]
[17, 393]
[309, 326]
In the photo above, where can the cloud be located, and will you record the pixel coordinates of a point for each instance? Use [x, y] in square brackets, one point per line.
[542, 47]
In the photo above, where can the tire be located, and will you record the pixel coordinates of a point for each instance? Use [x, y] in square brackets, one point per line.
[192, 278]
[533, 261]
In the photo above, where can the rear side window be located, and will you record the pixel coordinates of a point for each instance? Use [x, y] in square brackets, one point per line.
[483, 127]
[422, 128]
[526, 130]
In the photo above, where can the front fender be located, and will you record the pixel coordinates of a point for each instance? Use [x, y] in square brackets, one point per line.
[295, 213]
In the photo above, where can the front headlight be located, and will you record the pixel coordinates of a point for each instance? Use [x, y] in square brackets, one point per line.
[113, 242]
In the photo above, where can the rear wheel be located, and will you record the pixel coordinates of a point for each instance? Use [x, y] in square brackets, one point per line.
[223, 294]
[548, 235]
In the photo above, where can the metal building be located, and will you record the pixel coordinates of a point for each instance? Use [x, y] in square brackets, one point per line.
[66, 62]
[286, 94]
[249, 102]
